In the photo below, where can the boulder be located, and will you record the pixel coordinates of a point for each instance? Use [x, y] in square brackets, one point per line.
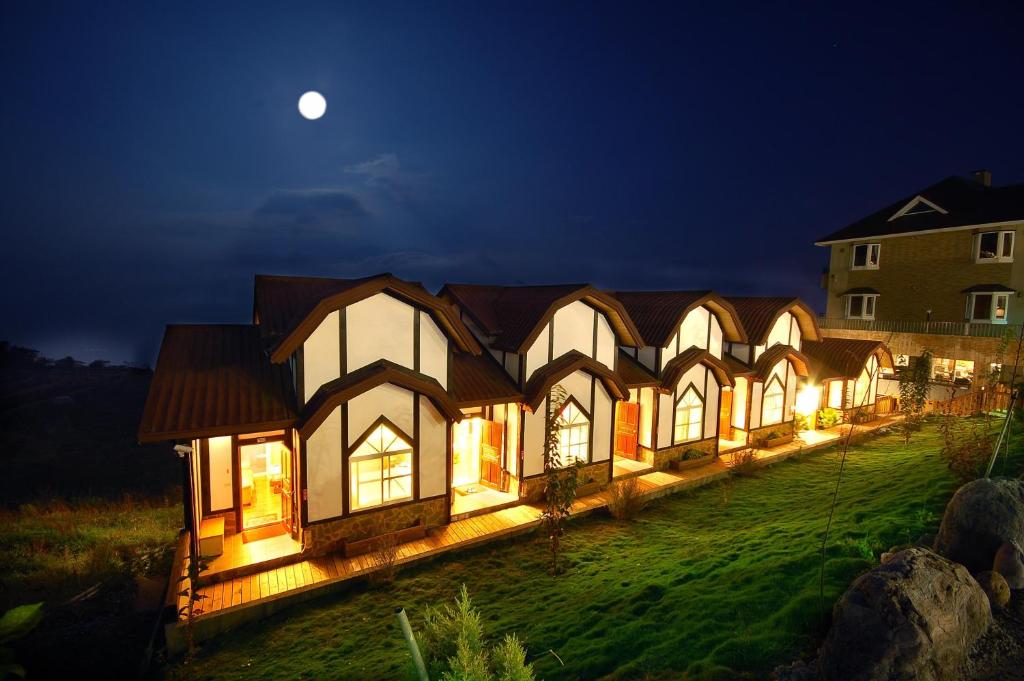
[1009, 562]
[913, 617]
[995, 587]
[980, 517]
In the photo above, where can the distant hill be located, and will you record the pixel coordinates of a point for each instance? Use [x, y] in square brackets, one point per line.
[67, 430]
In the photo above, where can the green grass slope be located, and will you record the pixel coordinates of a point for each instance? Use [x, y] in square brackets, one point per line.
[719, 583]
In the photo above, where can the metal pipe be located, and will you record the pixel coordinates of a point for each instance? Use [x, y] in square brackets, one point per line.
[410, 640]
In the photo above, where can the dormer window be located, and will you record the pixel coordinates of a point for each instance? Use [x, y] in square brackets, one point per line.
[994, 247]
[865, 256]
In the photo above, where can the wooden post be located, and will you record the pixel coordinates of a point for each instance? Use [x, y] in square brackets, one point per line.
[410, 640]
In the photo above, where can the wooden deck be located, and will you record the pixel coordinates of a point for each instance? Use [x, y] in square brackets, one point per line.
[271, 589]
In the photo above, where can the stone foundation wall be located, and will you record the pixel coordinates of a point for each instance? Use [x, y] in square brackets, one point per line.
[327, 535]
[592, 478]
[785, 429]
[662, 459]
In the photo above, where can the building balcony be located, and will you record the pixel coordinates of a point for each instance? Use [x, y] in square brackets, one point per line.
[972, 329]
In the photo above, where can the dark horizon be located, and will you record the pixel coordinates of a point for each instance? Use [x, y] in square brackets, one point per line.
[155, 161]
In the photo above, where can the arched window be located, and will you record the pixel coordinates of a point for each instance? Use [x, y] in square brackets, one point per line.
[689, 416]
[380, 468]
[773, 403]
[573, 434]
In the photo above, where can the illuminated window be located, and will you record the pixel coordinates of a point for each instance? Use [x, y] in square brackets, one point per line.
[988, 307]
[865, 256]
[994, 247]
[689, 416]
[774, 401]
[573, 434]
[380, 469]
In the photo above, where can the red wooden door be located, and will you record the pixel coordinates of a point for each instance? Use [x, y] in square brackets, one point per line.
[627, 425]
[490, 453]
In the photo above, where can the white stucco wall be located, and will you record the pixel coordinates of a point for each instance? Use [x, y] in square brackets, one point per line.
[537, 354]
[379, 327]
[387, 400]
[574, 329]
[433, 350]
[323, 469]
[694, 329]
[606, 347]
[433, 452]
[715, 347]
[321, 359]
[603, 417]
[533, 441]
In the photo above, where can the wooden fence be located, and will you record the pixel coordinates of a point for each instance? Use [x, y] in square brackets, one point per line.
[975, 402]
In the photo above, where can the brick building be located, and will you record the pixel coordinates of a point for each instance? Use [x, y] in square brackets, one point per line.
[933, 270]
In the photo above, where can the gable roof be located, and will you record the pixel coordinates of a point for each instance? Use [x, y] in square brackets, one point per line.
[543, 379]
[212, 380]
[479, 380]
[776, 353]
[515, 315]
[681, 363]
[966, 203]
[341, 390]
[844, 357]
[758, 315]
[658, 314]
[288, 309]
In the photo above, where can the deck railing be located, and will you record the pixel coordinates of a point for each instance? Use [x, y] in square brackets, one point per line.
[975, 329]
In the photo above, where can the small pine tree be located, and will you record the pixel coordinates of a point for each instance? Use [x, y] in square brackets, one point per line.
[454, 649]
[561, 481]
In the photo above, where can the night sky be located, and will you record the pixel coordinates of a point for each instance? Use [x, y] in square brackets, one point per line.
[152, 160]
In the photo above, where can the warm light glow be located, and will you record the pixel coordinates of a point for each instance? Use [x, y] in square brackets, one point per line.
[807, 400]
[312, 105]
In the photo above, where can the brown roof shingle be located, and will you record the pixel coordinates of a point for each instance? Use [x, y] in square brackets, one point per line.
[635, 374]
[478, 380]
[215, 379]
[758, 314]
[657, 314]
[844, 357]
[513, 314]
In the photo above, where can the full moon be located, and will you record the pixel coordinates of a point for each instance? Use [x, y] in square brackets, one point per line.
[312, 105]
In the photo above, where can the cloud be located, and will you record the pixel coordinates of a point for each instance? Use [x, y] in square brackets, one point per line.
[306, 206]
[385, 166]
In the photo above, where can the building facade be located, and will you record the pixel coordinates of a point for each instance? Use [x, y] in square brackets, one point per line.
[936, 270]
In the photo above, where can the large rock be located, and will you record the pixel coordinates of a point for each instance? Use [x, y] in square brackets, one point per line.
[913, 617]
[1009, 562]
[980, 517]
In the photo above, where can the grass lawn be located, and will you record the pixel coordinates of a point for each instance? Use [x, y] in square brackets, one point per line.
[719, 583]
[82, 561]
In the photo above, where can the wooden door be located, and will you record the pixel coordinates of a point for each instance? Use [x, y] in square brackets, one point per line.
[725, 416]
[491, 435]
[287, 490]
[627, 425]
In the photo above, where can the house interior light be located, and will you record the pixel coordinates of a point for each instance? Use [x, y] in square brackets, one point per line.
[807, 400]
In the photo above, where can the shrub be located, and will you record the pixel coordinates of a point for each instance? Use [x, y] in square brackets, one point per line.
[966, 447]
[692, 454]
[829, 417]
[744, 462]
[383, 557]
[453, 646]
[626, 500]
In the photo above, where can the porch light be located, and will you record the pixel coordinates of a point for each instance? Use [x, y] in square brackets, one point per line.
[807, 400]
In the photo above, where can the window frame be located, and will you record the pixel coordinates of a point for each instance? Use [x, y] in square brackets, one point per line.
[782, 401]
[677, 422]
[993, 306]
[876, 245]
[569, 428]
[386, 476]
[864, 305]
[1001, 235]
